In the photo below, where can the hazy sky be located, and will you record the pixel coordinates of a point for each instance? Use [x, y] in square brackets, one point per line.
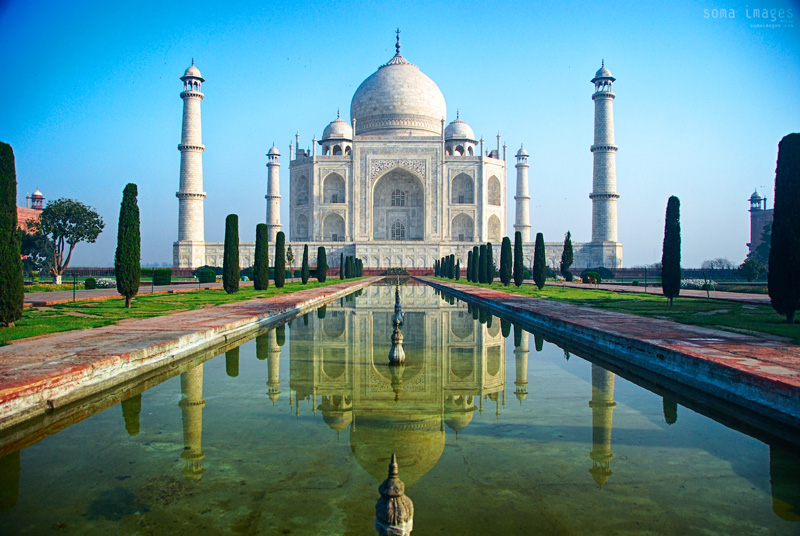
[90, 102]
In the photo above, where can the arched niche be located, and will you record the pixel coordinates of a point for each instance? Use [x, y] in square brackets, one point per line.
[333, 228]
[463, 228]
[495, 193]
[398, 200]
[301, 231]
[462, 189]
[494, 229]
[301, 190]
[333, 189]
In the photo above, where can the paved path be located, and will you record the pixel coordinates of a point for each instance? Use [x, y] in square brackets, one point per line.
[744, 297]
[41, 299]
[759, 374]
[47, 372]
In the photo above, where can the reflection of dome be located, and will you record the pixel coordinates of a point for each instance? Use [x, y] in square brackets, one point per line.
[337, 130]
[458, 413]
[418, 442]
[398, 99]
[337, 420]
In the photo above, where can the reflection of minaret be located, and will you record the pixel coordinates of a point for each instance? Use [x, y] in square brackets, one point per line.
[521, 381]
[130, 412]
[192, 411]
[274, 354]
[602, 405]
[9, 481]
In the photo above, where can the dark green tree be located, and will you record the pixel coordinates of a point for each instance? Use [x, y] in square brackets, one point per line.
[232, 362]
[482, 278]
[490, 273]
[469, 265]
[475, 263]
[751, 269]
[435, 268]
[519, 265]
[280, 259]
[12, 290]
[322, 264]
[261, 265]
[230, 256]
[505, 261]
[127, 260]
[341, 266]
[539, 262]
[784, 252]
[761, 253]
[458, 269]
[671, 252]
[304, 270]
[567, 257]
[451, 266]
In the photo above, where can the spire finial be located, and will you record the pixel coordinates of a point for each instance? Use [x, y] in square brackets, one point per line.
[393, 466]
[457, 115]
[192, 60]
[602, 63]
[337, 113]
[397, 46]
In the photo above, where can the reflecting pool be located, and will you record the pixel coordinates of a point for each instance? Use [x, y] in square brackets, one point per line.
[496, 431]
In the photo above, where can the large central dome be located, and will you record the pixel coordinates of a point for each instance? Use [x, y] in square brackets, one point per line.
[398, 99]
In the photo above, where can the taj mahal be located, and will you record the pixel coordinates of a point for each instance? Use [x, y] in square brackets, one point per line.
[398, 186]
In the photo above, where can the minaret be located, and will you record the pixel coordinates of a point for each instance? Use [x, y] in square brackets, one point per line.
[602, 405]
[192, 404]
[523, 199]
[189, 251]
[273, 193]
[521, 380]
[604, 182]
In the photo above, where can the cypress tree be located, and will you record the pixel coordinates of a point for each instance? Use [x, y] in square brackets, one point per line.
[505, 261]
[519, 267]
[435, 268]
[475, 263]
[671, 252]
[322, 264]
[469, 265]
[304, 271]
[230, 258]
[489, 263]
[458, 269]
[567, 257]
[12, 290]
[482, 264]
[127, 259]
[280, 259]
[539, 262]
[261, 264]
[451, 266]
[784, 253]
[341, 266]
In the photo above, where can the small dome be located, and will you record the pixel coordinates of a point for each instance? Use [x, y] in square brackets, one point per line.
[338, 130]
[602, 72]
[37, 193]
[459, 130]
[273, 151]
[755, 196]
[192, 71]
[522, 151]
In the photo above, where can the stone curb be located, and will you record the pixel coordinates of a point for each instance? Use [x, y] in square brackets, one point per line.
[758, 375]
[41, 374]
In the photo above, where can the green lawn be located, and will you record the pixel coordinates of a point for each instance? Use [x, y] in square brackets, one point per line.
[93, 314]
[726, 315]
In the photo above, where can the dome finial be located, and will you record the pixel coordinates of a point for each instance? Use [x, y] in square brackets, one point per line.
[192, 60]
[397, 45]
[458, 117]
[602, 63]
[337, 113]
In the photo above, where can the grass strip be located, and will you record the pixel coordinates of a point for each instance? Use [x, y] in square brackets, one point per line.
[95, 314]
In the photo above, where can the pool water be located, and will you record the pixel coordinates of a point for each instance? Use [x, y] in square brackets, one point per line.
[496, 431]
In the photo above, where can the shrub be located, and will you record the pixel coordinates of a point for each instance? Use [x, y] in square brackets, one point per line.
[162, 276]
[635, 284]
[90, 283]
[206, 275]
[591, 277]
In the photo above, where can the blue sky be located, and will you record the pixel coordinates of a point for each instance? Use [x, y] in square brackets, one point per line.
[90, 94]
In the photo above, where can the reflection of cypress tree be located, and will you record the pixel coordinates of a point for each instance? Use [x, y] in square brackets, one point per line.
[305, 319]
[670, 410]
[321, 312]
[538, 342]
[784, 475]
[131, 408]
[476, 313]
[232, 362]
[280, 335]
[9, 481]
[262, 346]
[517, 336]
[505, 325]
[483, 316]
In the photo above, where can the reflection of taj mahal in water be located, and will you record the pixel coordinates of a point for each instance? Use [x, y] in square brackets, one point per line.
[455, 365]
[398, 186]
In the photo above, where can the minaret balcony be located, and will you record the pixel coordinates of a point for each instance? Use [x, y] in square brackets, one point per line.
[188, 147]
[606, 147]
[192, 94]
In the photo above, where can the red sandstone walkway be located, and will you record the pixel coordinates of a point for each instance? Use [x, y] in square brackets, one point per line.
[741, 364]
[41, 373]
